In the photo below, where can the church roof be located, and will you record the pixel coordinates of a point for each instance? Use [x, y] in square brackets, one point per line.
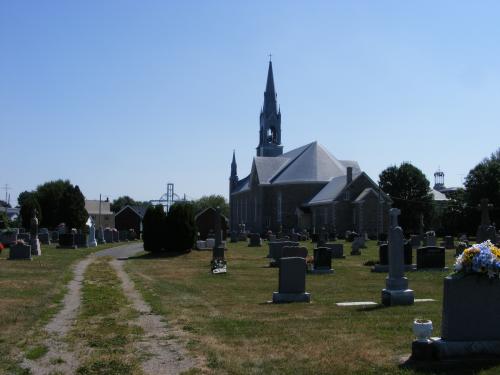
[362, 196]
[438, 196]
[309, 163]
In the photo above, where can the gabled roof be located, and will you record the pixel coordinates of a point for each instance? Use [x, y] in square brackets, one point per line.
[139, 210]
[309, 163]
[208, 209]
[92, 207]
[362, 196]
[438, 196]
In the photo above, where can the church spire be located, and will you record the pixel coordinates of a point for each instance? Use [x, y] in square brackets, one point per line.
[233, 179]
[270, 120]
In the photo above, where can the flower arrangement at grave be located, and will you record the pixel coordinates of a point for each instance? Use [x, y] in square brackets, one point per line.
[482, 258]
[309, 263]
[218, 265]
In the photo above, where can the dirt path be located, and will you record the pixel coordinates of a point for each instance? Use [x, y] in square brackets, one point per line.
[167, 356]
[59, 359]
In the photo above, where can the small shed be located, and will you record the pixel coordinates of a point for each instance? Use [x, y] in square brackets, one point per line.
[130, 217]
[205, 222]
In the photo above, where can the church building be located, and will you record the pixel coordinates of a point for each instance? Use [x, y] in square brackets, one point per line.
[305, 188]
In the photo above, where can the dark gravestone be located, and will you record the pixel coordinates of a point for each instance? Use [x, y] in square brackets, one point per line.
[430, 239]
[293, 251]
[131, 235]
[26, 237]
[123, 235]
[292, 281]
[337, 250]
[20, 251]
[416, 241]
[44, 238]
[67, 241]
[8, 238]
[81, 240]
[254, 240]
[275, 249]
[322, 260]
[449, 243]
[431, 257]
[108, 235]
[54, 236]
[116, 235]
[383, 254]
[218, 252]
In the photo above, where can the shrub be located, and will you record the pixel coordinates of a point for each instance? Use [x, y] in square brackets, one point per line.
[181, 226]
[154, 228]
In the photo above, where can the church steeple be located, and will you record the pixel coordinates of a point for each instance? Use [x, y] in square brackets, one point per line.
[270, 121]
[233, 179]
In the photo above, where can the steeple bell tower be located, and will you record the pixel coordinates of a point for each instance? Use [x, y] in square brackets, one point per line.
[270, 121]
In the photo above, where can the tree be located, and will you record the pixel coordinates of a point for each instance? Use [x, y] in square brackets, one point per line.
[154, 228]
[121, 202]
[181, 226]
[410, 191]
[483, 181]
[28, 202]
[211, 201]
[49, 196]
[72, 208]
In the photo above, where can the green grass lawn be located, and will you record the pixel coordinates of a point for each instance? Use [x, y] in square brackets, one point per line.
[30, 293]
[227, 318]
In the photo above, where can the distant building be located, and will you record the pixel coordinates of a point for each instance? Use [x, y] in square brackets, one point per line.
[439, 185]
[102, 217]
[130, 217]
[305, 188]
[205, 223]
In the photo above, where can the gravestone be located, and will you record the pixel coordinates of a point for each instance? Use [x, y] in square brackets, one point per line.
[34, 242]
[323, 237]
[44, 238]
[67, 241]
[449, 243]
[210, 243]
[254, 240]
[92, 242]
[461, 246]
[383, 254]
[108, 235]
[431, 257]
[486, 231]
[292, 281]
[396, 291]
[294, 236]
[357, 245]
[20, 251]
[43, 231]
[275, 251]
[116, 235]
[294, 251]
[337, 250]
[54, 236]
[234, 236]
[201, 245]
[322, 260]
[271, 237]
[8, 237]
[100, 236]
[416, 241]
[123, 235]
[430, 239]
[81, 240]
[132, 235]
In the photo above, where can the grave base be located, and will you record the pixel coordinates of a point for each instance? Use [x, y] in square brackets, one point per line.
[35, 247]
[397, 297]
[320, 271]
[93, 244]
[291, 297]
[440, 350]
[217, 271]
[385, 268]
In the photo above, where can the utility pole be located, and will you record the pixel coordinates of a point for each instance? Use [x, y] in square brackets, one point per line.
[99, 220]
[6, 188]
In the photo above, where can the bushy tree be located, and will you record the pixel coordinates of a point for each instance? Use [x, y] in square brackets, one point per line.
[410, 191]
[28, 202]
[154, 228]
[211, 201]
[181, 226]
[121, 202]
[483, 181]
[49, 196]
[72, 208]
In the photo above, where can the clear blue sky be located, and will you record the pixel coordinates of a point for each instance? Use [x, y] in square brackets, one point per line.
[122, 97]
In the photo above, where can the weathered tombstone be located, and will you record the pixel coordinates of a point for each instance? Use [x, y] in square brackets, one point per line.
[44, 238]
[292, 281]
[383, 253]
[108, 235]
[275, 251]
[357, 244]
[322, 260]
[431, 257]
[20, 250]
[416, 241]
[254, 240]
[294, 251]
[67, 241]
[116, 235]
[323, 237]
[430, 239]
[396, 291]
[486, 231]
[81, 240]
[337, 250]
[210, 243]
[34, 242]
[92, 242]
[201, 245]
